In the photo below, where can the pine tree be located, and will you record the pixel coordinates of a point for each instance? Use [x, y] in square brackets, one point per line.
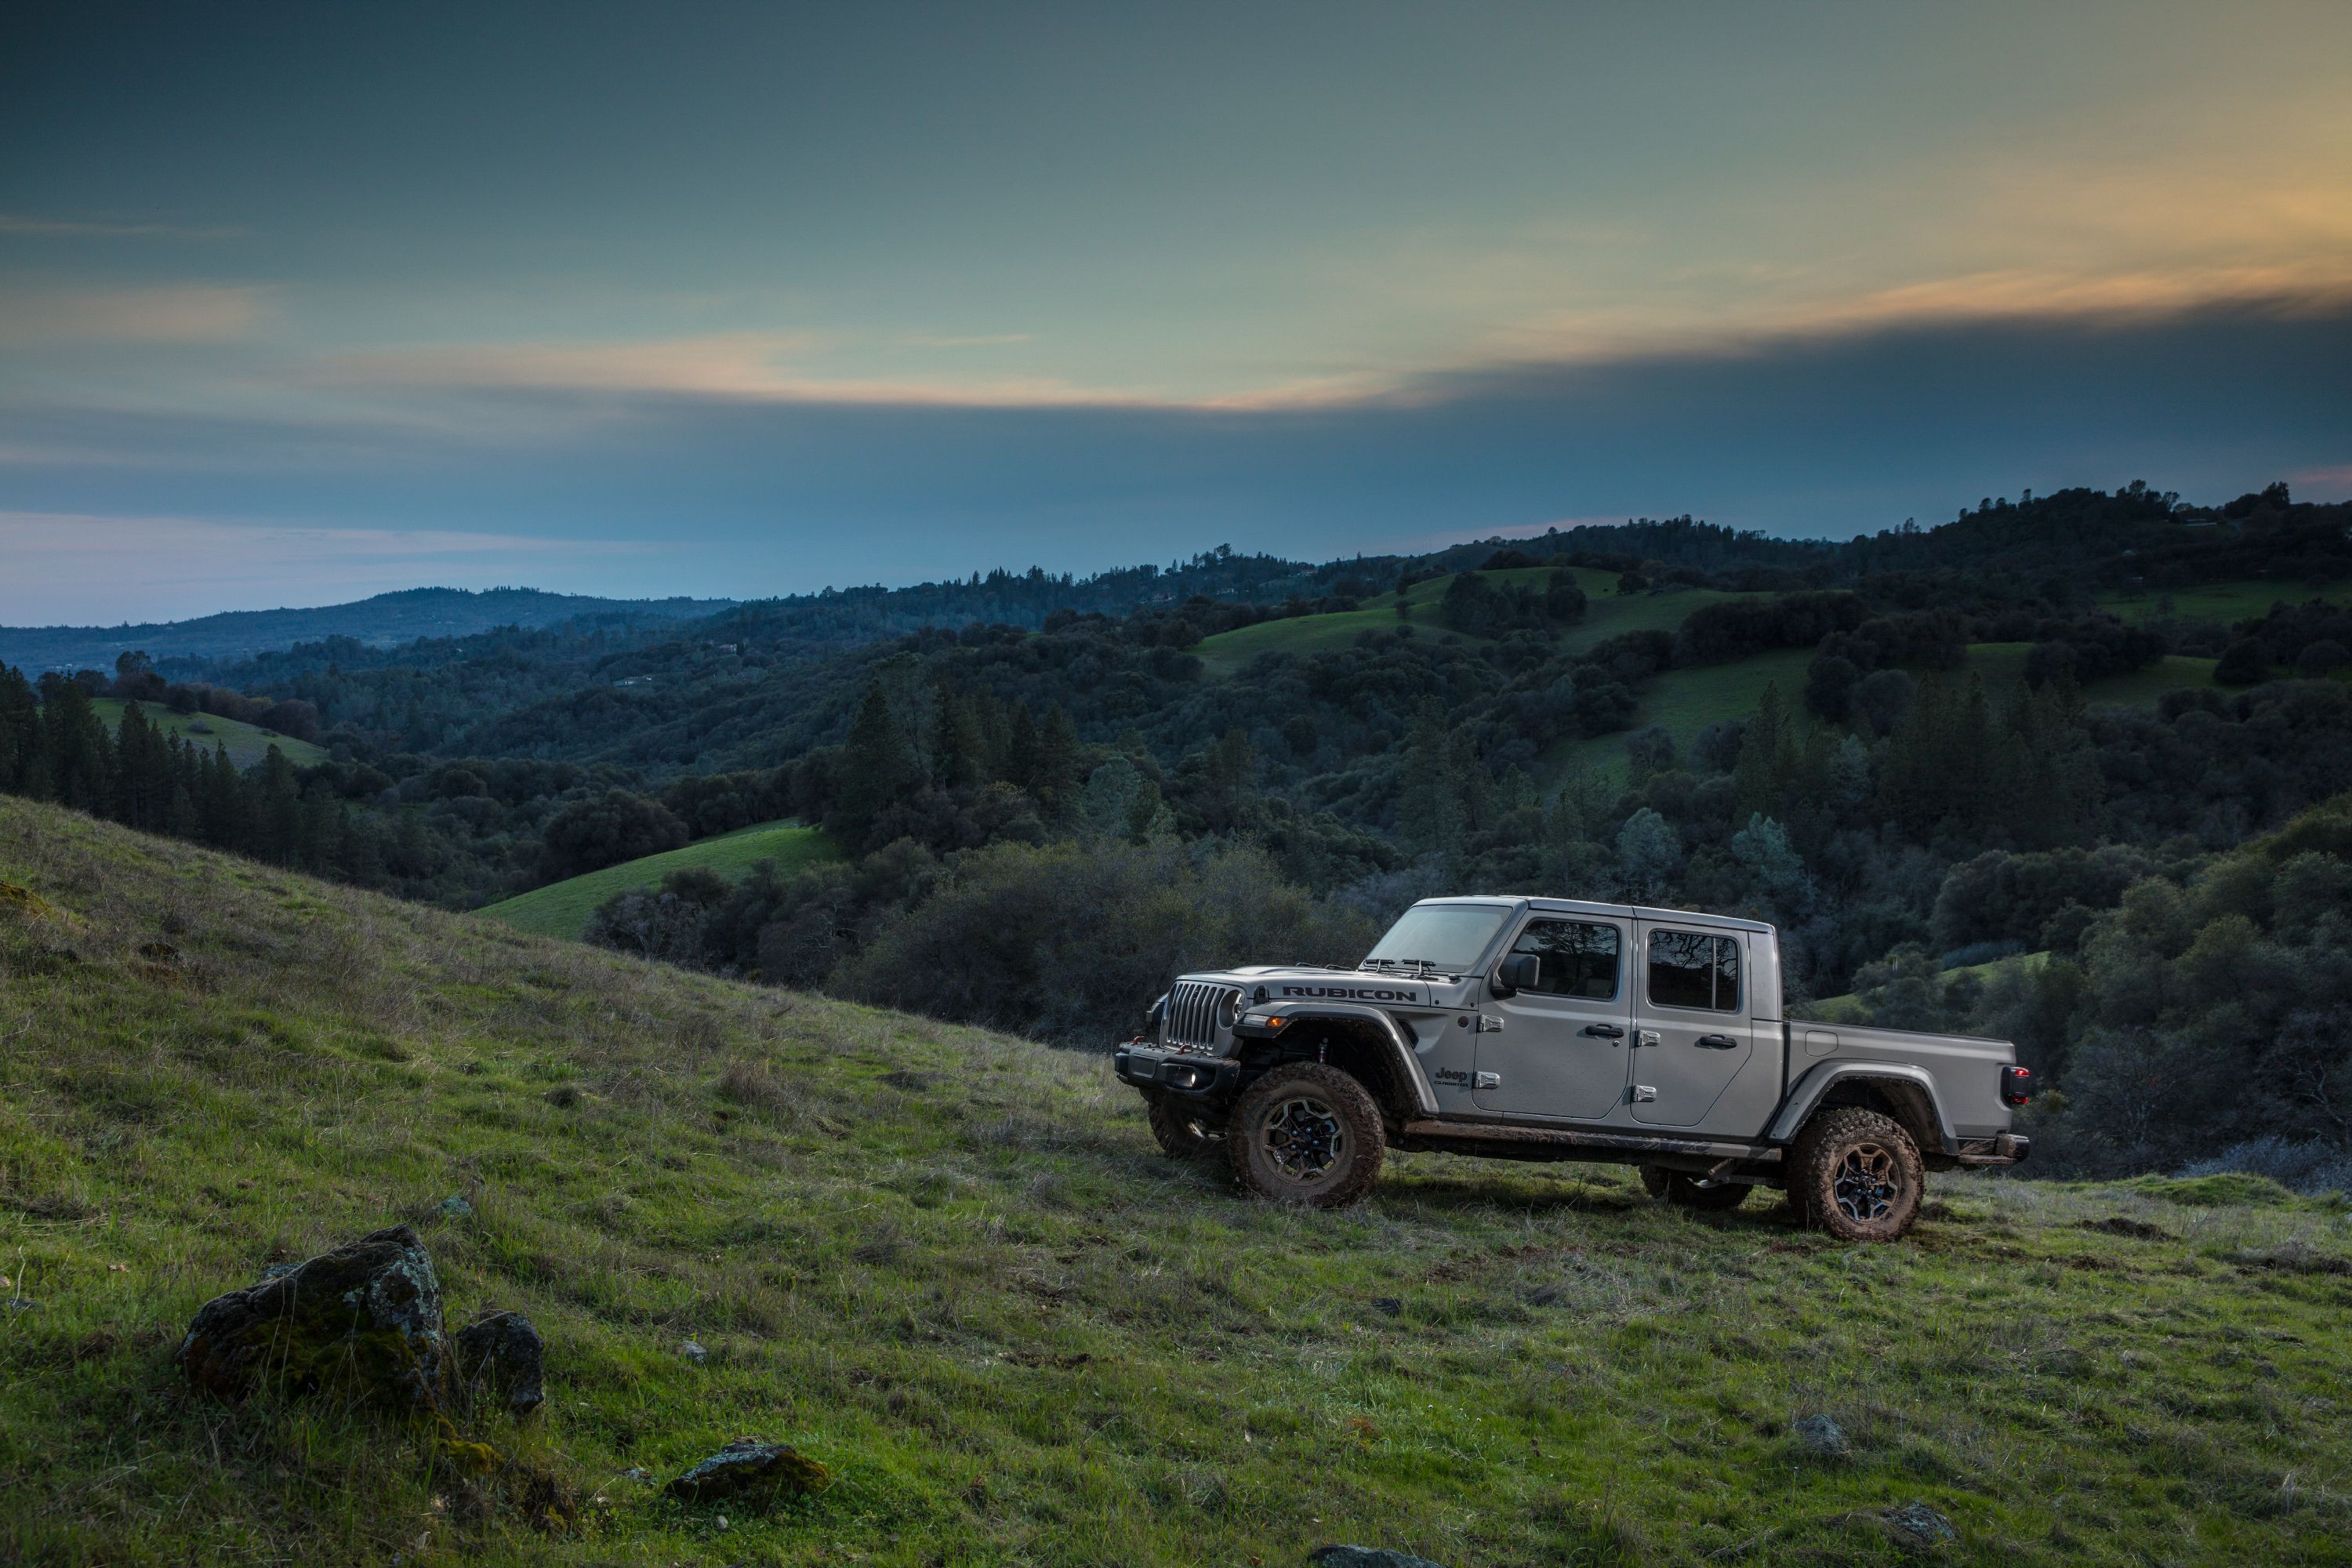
[1767, 755]
[20, 728]
[1422, 793]
[957, 748]
[877, 766]
[1054, 781]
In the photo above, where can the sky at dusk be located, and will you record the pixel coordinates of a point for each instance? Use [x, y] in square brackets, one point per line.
[300, 303]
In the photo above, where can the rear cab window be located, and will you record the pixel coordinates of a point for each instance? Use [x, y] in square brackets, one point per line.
[1698, 971]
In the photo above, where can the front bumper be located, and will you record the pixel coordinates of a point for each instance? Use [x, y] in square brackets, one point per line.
[1188, 1073]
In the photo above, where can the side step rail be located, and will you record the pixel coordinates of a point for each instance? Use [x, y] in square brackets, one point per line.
[1510, 1142]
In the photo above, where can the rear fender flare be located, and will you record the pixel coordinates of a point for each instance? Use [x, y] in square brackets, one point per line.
[1904, 1080]
[1396, 1047]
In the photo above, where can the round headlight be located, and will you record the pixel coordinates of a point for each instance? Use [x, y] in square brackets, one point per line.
[1227, 1006]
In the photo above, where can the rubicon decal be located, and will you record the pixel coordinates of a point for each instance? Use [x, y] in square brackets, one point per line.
[1352, 992]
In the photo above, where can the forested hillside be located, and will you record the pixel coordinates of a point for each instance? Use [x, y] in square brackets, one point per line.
[387, 620]
[1034, 777]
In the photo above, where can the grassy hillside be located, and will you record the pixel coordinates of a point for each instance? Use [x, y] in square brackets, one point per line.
[560, 909]
[1684, 702]
[246, 743]
[951, 1266]
[1606, 615]
[1848, 1008]
[2227, 603]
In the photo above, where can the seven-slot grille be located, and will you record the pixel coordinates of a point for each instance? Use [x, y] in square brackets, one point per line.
[1192, 1009]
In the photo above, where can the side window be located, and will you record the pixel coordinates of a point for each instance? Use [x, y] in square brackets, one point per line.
[1572, 958]
[1687, 970]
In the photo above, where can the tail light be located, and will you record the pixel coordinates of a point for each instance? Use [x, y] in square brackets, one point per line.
[2016, 1085]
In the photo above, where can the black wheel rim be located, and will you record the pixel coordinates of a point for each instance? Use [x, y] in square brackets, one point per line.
[1303, 1138]
[1868, 1184]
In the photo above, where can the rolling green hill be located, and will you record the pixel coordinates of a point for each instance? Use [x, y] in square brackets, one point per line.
[951, 1266]
[1848, 1008]
[2227, 603]
[246, 743]
[1607, 614]
[1684, 702]
[560, 909]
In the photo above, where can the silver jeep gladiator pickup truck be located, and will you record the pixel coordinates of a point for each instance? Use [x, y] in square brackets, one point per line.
[1532, 1028]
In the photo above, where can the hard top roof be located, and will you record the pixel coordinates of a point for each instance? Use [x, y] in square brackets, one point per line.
[1621, 912]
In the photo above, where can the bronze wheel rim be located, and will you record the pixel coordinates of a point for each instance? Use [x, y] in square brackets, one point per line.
[1866, 1183]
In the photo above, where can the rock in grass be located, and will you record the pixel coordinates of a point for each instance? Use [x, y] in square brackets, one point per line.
[1820, 1436]
[454, 1206]
[693, 1352]
[1916, 1524]
[1365, 1557]
[748, 1468]
[365, 1317]
[502, 1354]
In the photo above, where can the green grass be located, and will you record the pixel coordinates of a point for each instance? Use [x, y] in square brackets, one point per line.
[246, 743]
[1848, 1008]
[560, 909]
[951, 1266]
[1607, 614]
[1684, 702]
[2227, 603]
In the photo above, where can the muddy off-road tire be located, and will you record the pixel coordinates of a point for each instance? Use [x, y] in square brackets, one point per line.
[1306, 1134]
[1186, 1132]
[1856, 1175]
[1681, 1189]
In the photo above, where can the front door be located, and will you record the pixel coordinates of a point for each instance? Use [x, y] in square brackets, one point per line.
[1692, 1033]
[1562, 1046]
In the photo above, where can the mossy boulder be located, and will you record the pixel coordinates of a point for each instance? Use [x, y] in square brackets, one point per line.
[753, 1470]
[365, 1318]
[501, 1356]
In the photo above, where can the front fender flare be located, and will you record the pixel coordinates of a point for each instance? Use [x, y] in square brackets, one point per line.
[1807, 1091]
[1398, 1048]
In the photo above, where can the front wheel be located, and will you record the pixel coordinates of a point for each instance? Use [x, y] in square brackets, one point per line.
[1681, 1189]
[1857, 1174]
[1186, 1131]
[1308, 1134]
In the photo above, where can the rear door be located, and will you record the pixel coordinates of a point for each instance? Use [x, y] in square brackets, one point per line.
[1692, 1031]
[1562, 1046]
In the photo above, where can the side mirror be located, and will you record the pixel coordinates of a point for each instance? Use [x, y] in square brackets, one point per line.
[1520, 972]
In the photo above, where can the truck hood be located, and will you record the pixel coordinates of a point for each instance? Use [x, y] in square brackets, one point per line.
[1281, 982]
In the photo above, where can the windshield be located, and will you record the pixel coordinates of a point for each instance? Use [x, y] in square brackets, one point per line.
[1442, 936]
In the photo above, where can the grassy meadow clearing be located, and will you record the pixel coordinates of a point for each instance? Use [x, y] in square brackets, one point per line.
[1607, 614]
[560, 909]
[952, 1266]
[246, 743]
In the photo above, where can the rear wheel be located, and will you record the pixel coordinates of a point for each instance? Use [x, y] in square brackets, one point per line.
[1186, 1132]
[1682, 1189]
[1857, 1174]
[1307, 1133]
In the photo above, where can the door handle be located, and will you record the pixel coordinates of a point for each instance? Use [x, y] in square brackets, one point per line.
[1605, 1031]
[1715, 1042]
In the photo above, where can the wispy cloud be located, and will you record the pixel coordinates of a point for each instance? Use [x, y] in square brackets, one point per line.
[746, 366]
[971, 340]
[80, 229]
[165, 314]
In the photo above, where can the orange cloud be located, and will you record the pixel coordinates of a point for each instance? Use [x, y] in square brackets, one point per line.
[170, 313]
